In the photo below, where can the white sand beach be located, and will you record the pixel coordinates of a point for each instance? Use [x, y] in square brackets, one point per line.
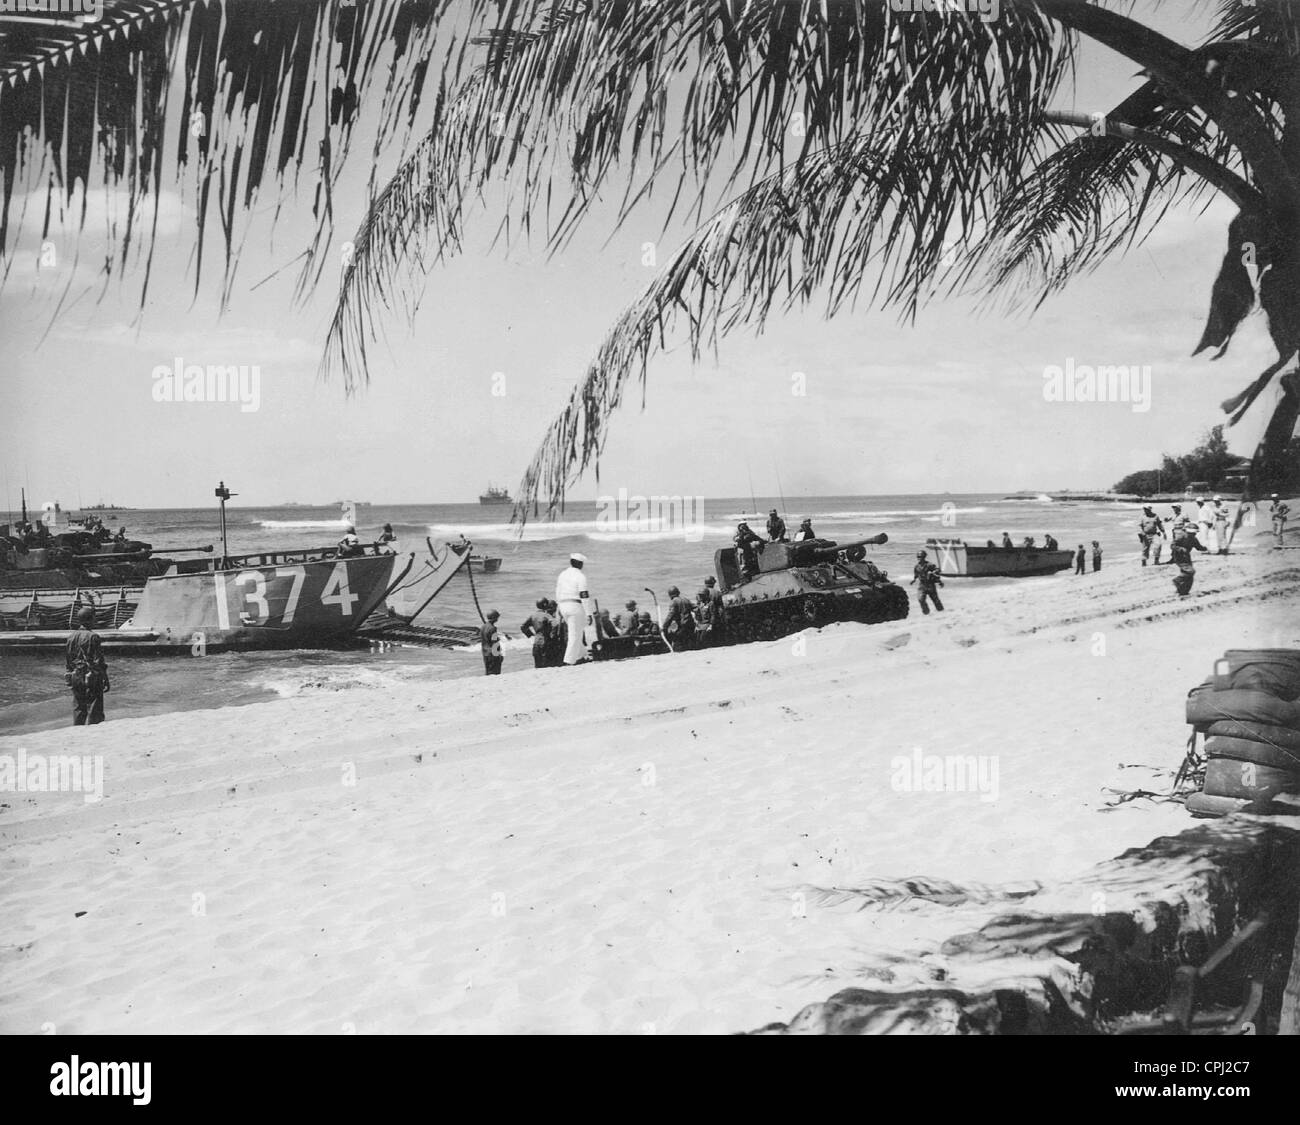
[619, 848]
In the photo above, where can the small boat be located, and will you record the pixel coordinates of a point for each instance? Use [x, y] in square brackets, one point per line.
[485, 564]
[958, 559]
[495, 495]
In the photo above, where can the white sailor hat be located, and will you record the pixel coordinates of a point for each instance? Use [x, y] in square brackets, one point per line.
[575, 557]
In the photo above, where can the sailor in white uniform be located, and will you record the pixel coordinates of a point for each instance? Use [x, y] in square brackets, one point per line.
[1205, 526]
[571, 594]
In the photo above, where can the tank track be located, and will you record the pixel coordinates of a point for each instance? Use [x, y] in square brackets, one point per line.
[768, 619]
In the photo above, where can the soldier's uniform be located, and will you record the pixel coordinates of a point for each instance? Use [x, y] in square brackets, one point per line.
[746, 549]
[538, 626]
[775, 526]
[679, 624]
[1278, 513]
[490, 640]
[87, 674]
[1151, 531]
[1180, 554]
[926, 576]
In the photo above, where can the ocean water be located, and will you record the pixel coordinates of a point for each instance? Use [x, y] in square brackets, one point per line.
[625, 556]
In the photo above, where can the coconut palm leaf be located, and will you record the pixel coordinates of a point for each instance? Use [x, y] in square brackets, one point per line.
[268, 92]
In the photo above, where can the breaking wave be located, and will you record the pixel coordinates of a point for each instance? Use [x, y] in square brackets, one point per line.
[273, 524]
[592, 530]
[892, 515]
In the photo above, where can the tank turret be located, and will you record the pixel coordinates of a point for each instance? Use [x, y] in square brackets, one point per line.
[781, 587]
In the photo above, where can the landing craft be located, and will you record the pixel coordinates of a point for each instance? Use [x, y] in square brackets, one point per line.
[303, 598]
[958, 559]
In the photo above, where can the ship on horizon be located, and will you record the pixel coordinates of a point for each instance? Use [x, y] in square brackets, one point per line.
[495, 495]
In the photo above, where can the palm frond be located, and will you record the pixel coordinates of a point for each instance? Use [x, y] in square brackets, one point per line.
[858, 214]
[268, 91]
[562, 105]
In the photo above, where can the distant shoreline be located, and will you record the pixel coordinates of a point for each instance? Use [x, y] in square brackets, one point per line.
[1125, 497]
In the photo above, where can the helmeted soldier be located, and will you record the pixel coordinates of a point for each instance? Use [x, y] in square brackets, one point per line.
[1180, 554]
[490, 642]
[926, 575]
[87, 672]
[1151, 531]
[775, 526]
[539, 626]
[679, 624]
[747, 547]
[627, 624]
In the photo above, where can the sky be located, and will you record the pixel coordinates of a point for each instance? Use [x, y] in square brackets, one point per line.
[461, 395]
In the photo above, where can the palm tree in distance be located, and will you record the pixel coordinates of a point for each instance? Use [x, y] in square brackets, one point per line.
[844, 148]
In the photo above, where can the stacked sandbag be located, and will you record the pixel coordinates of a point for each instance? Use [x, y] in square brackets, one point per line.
[1249, 713]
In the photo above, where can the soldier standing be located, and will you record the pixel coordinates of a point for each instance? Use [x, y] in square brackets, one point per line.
[679, 625]
[927, 575]
[1096, 556]
[1221, 524]
[775, 526]
[1080, 557]
[555, 646]
[1150, 531]
[538, 626]
[87, 672]
[490, 640]
[1278, 512]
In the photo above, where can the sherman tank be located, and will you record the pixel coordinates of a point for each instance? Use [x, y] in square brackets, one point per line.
[798, 585]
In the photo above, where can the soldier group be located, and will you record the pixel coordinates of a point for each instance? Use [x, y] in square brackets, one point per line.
[1210, 523]
[1184, 533]
[749, 544]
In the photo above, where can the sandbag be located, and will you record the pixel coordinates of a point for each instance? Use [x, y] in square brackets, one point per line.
[1205, 706]
[1261, 753]
[1205, 805]
[1286, 737]
[1225, 777]
[1276, 671]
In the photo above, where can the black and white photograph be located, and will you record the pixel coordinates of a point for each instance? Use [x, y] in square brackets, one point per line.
[650, 518]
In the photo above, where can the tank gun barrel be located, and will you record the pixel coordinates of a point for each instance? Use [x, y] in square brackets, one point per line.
[828, 552]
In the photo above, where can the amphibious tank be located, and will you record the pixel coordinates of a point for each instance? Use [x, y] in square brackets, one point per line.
[797, 585]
